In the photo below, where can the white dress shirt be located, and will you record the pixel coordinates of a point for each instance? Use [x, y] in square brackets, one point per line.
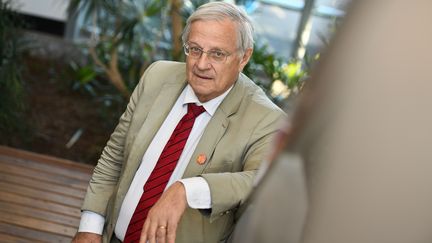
[197, 189]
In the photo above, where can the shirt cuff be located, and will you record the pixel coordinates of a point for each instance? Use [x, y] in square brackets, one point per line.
[197, 192]
[91, 222]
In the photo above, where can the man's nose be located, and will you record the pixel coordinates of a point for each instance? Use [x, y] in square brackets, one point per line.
[203, 62]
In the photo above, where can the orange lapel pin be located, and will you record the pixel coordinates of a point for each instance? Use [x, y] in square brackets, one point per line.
[201, 159]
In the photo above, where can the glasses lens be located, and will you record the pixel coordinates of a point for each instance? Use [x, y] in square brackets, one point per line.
[195, 51]
[217, 56]
[213, 55]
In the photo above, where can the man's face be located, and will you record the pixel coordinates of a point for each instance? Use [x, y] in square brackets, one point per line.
[209, 79]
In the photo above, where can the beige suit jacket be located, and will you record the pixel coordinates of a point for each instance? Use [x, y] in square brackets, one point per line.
[235, 141]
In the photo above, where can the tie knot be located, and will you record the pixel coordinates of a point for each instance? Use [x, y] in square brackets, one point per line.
[195, 110]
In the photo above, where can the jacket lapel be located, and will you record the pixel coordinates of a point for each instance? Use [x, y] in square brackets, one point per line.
[156, 116]
[215, 130]
[160, 107]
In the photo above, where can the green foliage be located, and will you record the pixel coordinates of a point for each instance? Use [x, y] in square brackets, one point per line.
[131, 32]
[86, 79]
[293, 74]
[262, 67]
[11, 88]
[83, 78]
[135, 32]
[265, 68]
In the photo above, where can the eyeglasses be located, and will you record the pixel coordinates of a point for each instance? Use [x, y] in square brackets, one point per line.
[215, 56]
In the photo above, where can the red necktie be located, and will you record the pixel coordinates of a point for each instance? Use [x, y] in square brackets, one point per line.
[161, 174]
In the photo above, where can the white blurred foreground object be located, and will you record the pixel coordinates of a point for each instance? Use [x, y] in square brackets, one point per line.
[364, 132]
[369, 174]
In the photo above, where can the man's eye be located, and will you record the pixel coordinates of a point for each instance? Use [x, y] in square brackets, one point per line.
[218, 54]
[195, 49]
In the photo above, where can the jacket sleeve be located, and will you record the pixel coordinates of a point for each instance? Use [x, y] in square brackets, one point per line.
[108, 169]
[229, 190]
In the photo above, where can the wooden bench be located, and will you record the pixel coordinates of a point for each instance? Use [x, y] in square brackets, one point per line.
[40, 196]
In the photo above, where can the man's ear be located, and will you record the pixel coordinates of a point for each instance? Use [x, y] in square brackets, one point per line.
[245, 59]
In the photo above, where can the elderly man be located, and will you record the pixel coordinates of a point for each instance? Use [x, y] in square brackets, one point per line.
[185, 152]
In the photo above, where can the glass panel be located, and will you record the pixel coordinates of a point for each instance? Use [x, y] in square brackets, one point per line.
[321, 33]
[333, 4]
[276, 25]
[326, 15]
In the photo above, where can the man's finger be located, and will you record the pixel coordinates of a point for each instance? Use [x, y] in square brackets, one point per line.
[171, 233]
[151, 233]
[161, 234]
[143, 237]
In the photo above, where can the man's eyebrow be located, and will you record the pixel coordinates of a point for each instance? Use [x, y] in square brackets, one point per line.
[194, 43]
[211, 49]
[217, 49]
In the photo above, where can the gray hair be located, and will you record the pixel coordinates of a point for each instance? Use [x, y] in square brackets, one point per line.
[219, 11]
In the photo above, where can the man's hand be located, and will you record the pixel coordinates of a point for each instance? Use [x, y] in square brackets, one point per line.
[163, 218]
[85, 237]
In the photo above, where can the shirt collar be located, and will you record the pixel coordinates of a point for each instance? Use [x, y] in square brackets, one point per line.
[210, 106]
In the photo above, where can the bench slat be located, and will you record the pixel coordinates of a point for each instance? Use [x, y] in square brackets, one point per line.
[40, 194]
[39, 214]
[45, 159]
[15, 233]
[37, 224]
[52, 178]
[41, 185]
[39, 204]
[68, 172]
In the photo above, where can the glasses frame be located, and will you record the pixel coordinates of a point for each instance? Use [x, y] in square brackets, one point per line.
[210, 57]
